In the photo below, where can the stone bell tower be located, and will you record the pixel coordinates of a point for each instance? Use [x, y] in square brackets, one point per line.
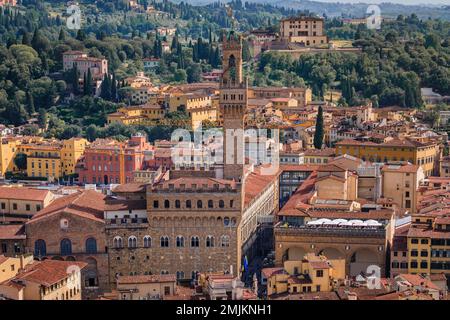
[233, 102]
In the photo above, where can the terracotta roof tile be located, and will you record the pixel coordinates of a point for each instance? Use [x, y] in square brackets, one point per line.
[47, 272]
[22, 193]
[88, 203]
[12, 231]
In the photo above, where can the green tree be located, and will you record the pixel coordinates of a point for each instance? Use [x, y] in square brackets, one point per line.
[319, 133]
[20, 161]
[42, 118]
[92, 132]
[30, 103]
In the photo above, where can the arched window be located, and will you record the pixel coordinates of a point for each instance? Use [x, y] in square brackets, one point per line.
[199, 204]
[117, 242]
[132, 242]
[233, 222]
[164, 241]
[66, 247]
[209, 241]
[166, 204]
[147, 242]
[221, 204]
[91, 245]
[210, 204]
[232, 67]
[180, 275]
[164, 272]
[180, 241]
[195, 242]
[225, 241]
[226, 221]
[40, 248]
[188, 204]
[177, 204]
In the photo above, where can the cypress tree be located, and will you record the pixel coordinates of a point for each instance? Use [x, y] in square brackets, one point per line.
[75, 76]
[318, 135]
[26, 39]
[89, 83]
[42, 118]
[30, 103]
[62, 35]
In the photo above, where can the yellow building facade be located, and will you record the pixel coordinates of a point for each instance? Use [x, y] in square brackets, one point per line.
[312, 274]
[429, 245]
[424, 154]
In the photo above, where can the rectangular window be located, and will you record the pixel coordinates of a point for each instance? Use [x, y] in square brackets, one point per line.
[27, 207]
[319, 273]
[408, 204]
[14, 206]
[3, 206]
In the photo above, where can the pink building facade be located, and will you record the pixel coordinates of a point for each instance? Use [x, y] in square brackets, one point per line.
[110, 162]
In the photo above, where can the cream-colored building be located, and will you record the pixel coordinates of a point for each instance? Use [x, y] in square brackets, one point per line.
[146, 287]
[400, 183]
[23, 201]
[307, 31]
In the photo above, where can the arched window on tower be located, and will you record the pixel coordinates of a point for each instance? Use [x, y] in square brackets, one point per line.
[117, 242]
[209, 241]
[195, 242]
[132, 242]
[164, 241]
[147, 242]
[180, 241]
[232, 67]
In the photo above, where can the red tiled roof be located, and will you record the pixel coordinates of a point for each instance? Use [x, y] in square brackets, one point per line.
[130, 188]
[418, 280]
[48, 272]
[255, 184]
[407, 168]
[428, 233]
[22, 193]
[88, 204]
[12, 231]
[3, 259]
[268, 272]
